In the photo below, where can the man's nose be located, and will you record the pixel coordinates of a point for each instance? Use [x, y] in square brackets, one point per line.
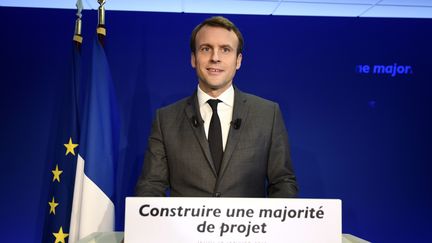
[215, 56]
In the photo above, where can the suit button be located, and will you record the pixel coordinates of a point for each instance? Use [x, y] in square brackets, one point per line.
[216, 194]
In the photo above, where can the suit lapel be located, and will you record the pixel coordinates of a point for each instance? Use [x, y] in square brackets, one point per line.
[193, 114]
[240, 112]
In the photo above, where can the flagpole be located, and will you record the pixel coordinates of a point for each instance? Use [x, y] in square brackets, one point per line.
[101, 30]
[77, 38]
[77, 188]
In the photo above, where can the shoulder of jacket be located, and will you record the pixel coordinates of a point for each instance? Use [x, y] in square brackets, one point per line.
[258, 101]
[176, 106]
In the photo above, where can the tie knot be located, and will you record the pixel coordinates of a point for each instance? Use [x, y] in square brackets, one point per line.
[213, 104]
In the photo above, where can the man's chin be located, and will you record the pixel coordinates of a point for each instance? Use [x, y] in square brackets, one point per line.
[219, 85]
[214, 86]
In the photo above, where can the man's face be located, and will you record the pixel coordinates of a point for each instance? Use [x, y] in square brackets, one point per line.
[215, 58]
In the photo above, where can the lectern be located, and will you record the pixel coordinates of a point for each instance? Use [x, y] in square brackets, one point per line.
[263, 220]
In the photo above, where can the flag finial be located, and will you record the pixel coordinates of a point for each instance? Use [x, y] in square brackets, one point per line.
[101, 30]
[77, 38]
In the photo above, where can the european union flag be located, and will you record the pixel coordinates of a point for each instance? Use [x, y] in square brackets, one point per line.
[63, 162]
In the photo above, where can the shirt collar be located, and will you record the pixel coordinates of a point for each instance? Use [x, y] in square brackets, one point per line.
[227, 97]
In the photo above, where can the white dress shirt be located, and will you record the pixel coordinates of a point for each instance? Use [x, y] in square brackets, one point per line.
[225, 111]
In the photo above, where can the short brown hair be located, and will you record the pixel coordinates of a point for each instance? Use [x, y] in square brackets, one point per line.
[217, 21]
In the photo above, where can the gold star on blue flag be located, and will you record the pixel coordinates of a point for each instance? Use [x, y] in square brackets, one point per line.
[70, 147]
[52, 205]
[60, 236]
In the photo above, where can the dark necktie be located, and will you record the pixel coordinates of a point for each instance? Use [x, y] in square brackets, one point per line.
[215, 135]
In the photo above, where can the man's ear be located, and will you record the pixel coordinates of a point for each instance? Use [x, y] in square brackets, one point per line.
[239, 60]
[193, 60]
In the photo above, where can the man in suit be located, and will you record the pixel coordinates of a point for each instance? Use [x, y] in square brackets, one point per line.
[219, 142]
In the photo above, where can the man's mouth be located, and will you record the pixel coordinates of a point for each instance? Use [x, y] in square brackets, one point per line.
[214, 70]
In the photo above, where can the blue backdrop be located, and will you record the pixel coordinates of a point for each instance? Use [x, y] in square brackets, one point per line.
[356, 95]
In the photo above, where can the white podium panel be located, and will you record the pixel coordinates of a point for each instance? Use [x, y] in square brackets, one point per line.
[232, 220]
[117, 237]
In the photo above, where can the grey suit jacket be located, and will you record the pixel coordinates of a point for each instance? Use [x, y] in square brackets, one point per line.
[256, 161]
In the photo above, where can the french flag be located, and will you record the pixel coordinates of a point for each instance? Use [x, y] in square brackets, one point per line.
[93, 209]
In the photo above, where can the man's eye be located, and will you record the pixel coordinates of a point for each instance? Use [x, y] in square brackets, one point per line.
[226, 49]
[205, 49]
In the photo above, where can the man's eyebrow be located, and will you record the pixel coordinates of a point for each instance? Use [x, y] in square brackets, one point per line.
[227, 46]
[205, 44]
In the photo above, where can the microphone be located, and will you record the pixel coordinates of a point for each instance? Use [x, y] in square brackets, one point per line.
[236, 123]
[195, 121]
